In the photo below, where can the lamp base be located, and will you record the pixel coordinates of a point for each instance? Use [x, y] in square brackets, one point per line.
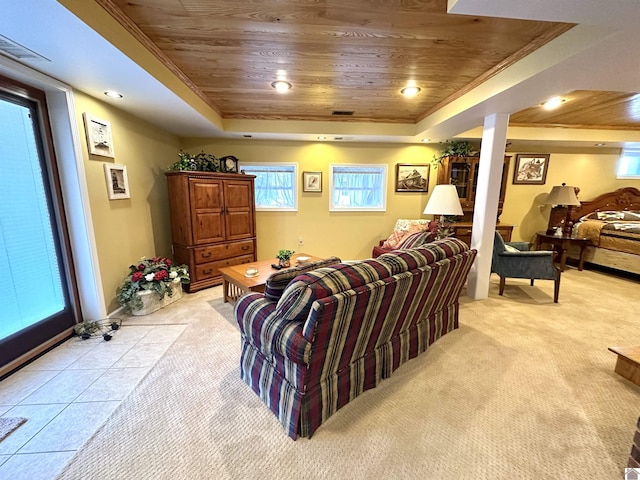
[444, 229]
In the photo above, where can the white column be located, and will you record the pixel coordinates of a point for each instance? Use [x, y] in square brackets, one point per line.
[485, 207]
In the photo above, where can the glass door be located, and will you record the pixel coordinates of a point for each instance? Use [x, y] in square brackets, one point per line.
[460, 177]
[34, 305]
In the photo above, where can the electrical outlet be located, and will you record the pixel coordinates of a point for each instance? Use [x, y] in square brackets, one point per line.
[300, 240]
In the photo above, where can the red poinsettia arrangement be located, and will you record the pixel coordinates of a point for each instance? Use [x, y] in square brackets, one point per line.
[157, 274]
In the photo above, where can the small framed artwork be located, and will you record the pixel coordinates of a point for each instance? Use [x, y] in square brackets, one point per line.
[117, 181]
[99, 138]
[531, 169]
[412, 177]
[311, 181]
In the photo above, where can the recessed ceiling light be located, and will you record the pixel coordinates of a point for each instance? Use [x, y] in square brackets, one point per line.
[410, 91]
[112, 94]
[281, 86]
[554, 102]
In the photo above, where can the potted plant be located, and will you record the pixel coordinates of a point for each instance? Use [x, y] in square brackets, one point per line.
[453, 148]
[152, 284]
[284, 257]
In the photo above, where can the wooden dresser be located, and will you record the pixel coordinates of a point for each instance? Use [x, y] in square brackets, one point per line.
[463, 231]
[212, 223]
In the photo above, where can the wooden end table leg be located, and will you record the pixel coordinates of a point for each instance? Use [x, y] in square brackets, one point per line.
[225, 290]
[581, 261]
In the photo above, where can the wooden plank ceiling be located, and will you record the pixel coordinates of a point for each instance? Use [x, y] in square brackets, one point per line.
[352, 56]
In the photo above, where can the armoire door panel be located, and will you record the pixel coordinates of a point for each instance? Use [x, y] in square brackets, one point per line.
[208, 227]
[238, 195]
[239, 225]
[206, 194]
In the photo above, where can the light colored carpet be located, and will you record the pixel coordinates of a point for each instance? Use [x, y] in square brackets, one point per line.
[8, 425]
[524, 389]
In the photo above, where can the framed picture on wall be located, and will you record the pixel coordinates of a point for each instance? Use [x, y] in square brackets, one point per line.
[412, 177]
[117, 181]
[312, 181]
[98, 133]
[531, 169]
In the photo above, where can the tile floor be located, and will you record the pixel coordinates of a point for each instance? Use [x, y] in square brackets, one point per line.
[69, 392]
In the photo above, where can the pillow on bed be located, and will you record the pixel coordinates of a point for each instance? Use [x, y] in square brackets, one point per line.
[627, 216]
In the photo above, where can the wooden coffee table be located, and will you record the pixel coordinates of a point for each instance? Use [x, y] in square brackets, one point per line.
[235, 282]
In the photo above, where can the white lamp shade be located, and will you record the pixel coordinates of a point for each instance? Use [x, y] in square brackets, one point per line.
[444, 201]
[562, 195]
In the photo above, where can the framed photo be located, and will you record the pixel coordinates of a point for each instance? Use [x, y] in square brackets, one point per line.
[117, 181]
[311, 181]
[412, 177]
[99, 138]
[531, 169]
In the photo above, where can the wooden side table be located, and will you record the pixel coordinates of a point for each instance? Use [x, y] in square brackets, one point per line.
[561, 245]
[628, 362]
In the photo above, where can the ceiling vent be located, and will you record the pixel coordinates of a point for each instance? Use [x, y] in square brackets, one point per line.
[17, 51]
[342, 113]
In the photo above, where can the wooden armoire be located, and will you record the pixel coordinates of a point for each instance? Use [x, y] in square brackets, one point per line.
[213, 223]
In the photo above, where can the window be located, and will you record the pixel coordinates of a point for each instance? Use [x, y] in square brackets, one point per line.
[276, 186]
[629, 164]
[358, 187]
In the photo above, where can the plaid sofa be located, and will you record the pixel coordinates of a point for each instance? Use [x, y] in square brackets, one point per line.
[338, 331]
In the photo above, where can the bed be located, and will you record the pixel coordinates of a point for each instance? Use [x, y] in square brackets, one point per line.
[611, 222]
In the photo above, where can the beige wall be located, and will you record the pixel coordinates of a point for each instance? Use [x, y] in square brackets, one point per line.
[349, 235]
[352, 235]
[593, 172]
[128, 229]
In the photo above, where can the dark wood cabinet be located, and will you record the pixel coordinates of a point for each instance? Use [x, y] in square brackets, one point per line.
[462, 231]
[463, 173]
[212, 223]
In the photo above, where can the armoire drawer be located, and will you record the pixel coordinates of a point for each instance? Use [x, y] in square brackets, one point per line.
[216, 252]
[212, 269]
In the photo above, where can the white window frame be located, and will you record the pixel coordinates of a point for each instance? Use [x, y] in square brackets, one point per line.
[629, 155]
[244, 165]
[339, 208]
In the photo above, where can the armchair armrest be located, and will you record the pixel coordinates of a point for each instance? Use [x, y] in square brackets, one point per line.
[269, 333]
[522, 246]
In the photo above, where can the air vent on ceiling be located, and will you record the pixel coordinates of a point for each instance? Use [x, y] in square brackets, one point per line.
[343, 113]
[20, 52]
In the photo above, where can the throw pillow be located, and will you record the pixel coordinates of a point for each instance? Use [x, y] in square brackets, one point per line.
[412, 240]
[397, 236]
[277, 282]
[511, 249]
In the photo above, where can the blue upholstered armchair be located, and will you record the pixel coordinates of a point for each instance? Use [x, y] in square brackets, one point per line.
[515, 260]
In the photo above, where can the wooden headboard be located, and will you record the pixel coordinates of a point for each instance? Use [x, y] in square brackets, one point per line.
[627, 198]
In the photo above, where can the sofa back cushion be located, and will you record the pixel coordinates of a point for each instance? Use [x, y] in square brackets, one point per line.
[277, 283]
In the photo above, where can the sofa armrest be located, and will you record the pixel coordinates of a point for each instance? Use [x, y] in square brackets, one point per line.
[269, 333]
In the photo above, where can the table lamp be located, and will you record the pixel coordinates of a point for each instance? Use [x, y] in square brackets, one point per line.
[444, 201]
[564, 195]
